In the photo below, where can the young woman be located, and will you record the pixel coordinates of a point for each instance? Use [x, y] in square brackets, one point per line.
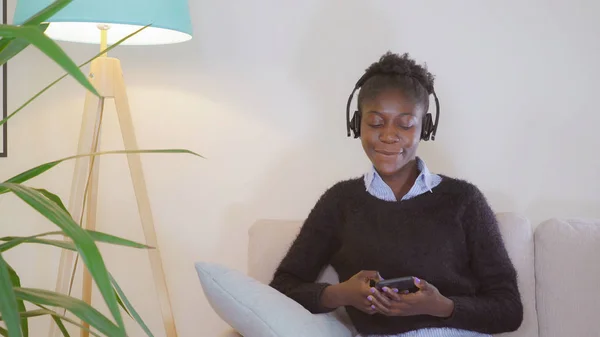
[400, 220]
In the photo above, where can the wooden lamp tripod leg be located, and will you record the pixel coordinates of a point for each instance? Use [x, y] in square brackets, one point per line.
[90, 214]
[143, 202]
[88, 142]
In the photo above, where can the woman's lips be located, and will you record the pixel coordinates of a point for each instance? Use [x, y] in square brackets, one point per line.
[389, 153]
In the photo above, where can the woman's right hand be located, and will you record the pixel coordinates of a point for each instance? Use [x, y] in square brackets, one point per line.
[355, 292]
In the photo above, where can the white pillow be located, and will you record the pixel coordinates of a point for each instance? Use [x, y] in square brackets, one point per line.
[255, 309]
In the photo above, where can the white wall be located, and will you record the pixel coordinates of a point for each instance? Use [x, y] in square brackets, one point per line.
[261, 90]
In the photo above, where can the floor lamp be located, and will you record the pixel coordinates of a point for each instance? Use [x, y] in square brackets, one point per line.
[104, 22]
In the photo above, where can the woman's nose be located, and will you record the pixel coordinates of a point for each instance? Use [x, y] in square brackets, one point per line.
[389, 135]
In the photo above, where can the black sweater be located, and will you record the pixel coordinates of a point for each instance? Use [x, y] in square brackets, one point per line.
[449, 238]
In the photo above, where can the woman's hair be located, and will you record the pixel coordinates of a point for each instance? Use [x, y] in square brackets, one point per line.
[398, 72]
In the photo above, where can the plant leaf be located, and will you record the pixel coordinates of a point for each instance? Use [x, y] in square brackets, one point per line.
[65, 75]
[11, 47]
[8, 302]
[34, 36]
[122, 305]
[3, 332]
[53, 197]
[36, 171]
[41, 312]
[16, 282]
[47, 12]
[134, 313]
[83, 241]
[32, 173]
[30, 314]
[56, 243]
[118, 292]
[66, 319]
[76, 306]
[13, 241]
[46, 311]
[61, 326]
[115, 240]
[70, 246]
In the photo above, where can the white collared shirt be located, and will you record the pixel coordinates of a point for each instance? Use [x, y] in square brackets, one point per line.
[425, 182]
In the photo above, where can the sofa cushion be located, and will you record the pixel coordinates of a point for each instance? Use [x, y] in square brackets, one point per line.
[256, 310]
[517, 234]
[567, 277]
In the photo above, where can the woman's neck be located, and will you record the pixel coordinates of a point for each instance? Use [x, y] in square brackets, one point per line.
[402, 181]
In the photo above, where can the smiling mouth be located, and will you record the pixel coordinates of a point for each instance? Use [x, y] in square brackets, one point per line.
[389, 153]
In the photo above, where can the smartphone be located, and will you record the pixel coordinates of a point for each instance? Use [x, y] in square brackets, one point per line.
[401, 283]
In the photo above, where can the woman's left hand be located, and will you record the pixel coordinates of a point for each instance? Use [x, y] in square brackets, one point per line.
[426, 301]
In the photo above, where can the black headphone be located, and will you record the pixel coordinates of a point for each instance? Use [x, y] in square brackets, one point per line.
[427, 131]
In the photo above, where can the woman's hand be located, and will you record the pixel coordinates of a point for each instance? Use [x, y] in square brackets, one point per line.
[426, 301]
[354, 292]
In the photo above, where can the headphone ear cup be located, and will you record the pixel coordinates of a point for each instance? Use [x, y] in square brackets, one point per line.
[355, 123]
[427, 127]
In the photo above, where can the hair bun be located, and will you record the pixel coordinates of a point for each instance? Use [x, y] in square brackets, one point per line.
[403, 65]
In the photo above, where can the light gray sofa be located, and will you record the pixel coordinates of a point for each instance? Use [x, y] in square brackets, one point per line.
[558, 266]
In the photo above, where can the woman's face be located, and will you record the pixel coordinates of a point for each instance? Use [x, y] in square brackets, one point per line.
[390, 130]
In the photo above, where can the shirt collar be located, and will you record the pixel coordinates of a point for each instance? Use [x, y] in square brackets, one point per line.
[424, 175]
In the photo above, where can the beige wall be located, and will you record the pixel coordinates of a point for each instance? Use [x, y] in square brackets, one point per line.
[261, 91]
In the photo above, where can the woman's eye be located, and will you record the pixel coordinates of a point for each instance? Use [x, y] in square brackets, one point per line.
[375, 122]
[407, 122]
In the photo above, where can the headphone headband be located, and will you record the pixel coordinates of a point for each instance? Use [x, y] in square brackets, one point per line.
[426, 134]
[437, 114]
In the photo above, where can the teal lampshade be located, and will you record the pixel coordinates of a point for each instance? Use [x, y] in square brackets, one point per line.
[79, 21]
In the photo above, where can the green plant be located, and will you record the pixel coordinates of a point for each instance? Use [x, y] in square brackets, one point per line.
[13, 297]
